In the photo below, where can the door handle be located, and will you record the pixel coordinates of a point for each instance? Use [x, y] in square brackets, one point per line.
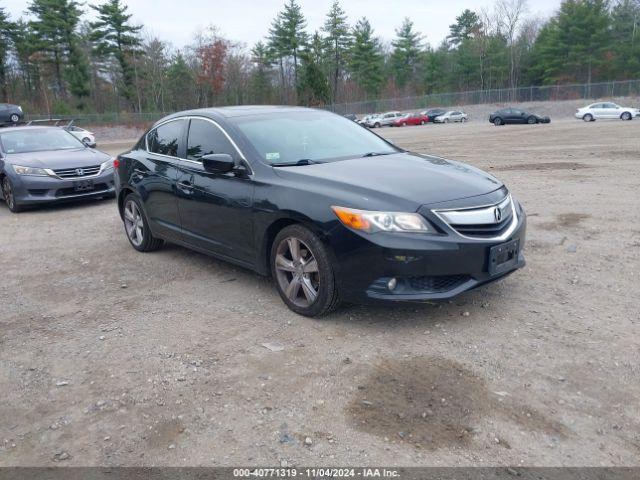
[186, 186]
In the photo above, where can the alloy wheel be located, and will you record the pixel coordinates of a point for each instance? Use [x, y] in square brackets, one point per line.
[297, 272]
[7, 192]
[14, 118]
[626, 116]
[134, 223]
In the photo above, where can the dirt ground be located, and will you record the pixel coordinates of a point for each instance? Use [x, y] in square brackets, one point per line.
[112, 357]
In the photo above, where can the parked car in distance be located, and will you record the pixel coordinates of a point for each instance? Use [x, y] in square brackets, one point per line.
[452, 116]
[434, 113]
[515, 116]
[331, 211]
[606, 110]
[384, 119]
[85, 136]
[411, 119]
[364, 121]
[41, 165]
[10, 113]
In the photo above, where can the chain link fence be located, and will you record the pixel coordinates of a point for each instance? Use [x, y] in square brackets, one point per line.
[627, 88]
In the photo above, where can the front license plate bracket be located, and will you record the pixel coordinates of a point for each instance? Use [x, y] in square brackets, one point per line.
[503, 257]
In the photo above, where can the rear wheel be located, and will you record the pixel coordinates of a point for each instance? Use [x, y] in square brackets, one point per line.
[15, 118]
[497, 121]
[9, 196]
[303, 271]
[626, 116]
[136, 226]
[421, 122]
[588, 118]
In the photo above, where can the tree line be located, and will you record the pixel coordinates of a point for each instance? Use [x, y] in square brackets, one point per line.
[55, 61]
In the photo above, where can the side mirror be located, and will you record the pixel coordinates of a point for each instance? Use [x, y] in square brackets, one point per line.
[218, 163]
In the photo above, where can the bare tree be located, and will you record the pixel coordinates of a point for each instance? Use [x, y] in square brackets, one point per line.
[509, 16]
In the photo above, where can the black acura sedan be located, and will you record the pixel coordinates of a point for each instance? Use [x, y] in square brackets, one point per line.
[40, 165]
[515, 116]
[330, 210]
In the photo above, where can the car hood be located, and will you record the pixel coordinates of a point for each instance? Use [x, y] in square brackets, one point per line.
[55, 159]
[402, 180]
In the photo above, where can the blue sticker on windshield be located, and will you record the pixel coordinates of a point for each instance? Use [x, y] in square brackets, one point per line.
[273, 156]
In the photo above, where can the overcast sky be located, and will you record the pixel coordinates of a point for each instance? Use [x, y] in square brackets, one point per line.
[248, 20]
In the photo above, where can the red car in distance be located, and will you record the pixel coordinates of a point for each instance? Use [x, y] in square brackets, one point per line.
[411, 119]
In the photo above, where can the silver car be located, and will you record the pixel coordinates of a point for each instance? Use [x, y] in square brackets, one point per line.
[451, 117]
[41, 165]
[384, 120]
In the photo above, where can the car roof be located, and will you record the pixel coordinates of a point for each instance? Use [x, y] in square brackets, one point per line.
[243, 110]
[26, 127]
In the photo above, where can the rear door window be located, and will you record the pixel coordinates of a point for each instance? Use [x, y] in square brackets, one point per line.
[167, 138]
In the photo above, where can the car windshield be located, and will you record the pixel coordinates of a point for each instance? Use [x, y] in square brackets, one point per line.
[314, 136]
[38, 140]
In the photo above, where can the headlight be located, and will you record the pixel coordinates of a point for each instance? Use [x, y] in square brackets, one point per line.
[381, 221]
[108, 165]
[36, 172]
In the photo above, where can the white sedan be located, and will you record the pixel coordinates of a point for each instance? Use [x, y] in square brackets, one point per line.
[603, 110]
[85, 136]
[452, 116]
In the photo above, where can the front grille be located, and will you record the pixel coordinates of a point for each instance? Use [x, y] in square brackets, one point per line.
[485, 230]
[483, 222]
[439, 284]
[77, 172]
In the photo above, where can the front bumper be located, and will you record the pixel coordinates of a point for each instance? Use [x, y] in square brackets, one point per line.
[426, 267]
[32, 190]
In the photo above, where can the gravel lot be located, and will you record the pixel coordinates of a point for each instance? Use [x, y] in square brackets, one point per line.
[112, 357]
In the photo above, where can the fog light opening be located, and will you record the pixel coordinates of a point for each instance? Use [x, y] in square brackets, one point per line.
[392, 284]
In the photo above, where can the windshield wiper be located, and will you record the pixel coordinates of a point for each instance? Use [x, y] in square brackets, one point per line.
[301, 162]
[377, 154]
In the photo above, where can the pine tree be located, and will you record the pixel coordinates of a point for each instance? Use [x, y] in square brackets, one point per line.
[466, 26]
[625, 34]
[180, 81]
[260, 84]
[365, 58]
[337, 43]
[313, 88]
[55, 29]
[6, 31]
[115, 37]
[407, 48]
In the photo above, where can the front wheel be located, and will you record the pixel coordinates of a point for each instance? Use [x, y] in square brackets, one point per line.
[626, 116]
[303, 272]
[464, 120]
[376, 125]
[421, 122]
[9, 196]
[497, 121]
[531, 120]
[136, 226]
[446, 120]
[588, 118]
[14, 118]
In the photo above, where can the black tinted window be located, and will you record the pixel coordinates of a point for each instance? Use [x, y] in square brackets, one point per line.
[166, 138]
[205, 138]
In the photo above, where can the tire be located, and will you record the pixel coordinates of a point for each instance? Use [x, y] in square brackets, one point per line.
[9, 198]
[463, 120]
[626, 116]
[86, 140]
[136, 226]
[15, 118]
[421, 122]
[588, 118]
[307, 288]
[446, 120]
[532, 120]
[376, 125]
[498, 121]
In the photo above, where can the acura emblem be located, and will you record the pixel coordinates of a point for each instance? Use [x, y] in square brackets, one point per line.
[497, 213]
[79, 172]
